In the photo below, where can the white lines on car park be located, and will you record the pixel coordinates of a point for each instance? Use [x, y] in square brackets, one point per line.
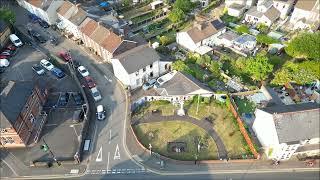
[116, 171]
[99, 156]
[110, 136]
[109, 79]
[117, 153]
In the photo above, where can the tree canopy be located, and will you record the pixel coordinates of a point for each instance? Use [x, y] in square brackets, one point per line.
[176, 15]
[242, 29]
[7, 15]
[264, 39]
[298, 72]
[305, 45]
[184, 5]
[262, 28]
[179, 65]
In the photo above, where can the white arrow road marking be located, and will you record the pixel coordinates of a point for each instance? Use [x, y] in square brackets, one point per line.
[99, 156]
[110, 80]
[108, 161]
[110, 136]
[116, 153]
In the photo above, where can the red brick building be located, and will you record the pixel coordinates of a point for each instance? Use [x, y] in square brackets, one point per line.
[21, 115]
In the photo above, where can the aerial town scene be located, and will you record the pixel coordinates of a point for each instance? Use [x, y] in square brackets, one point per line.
[160, 89]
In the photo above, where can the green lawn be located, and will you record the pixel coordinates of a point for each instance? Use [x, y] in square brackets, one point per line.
[224, 123]
[159, 134]
[166, 108]
[244, 105]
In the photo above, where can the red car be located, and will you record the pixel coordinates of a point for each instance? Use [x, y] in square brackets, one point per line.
[11, 47]
[4, 57]
[65, 56]
[90, 82]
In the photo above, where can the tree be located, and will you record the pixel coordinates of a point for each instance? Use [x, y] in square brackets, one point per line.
[179, 65]
[165, 40]
[184, 5]
[215, 68]
[305, 45]
[264, 39]
[258, 68]
[242, 29]
[176, 15]
[7, 15]
[262, 28]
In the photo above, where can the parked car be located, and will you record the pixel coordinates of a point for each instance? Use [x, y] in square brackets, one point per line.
[46, 64]
[101, 113]
[163, 79]
[37, 36]
[4, 63]
[38, 69]
[63, 99]
[57, 72]
[96, 94]
[43, 23]
[77, 97]
[33, 17]
[65, 56]
[90, 83]
[83, 71]
[15, 40]
[11, 47]
[149, 84]
[76, 63]
[4, 57]
[5, 53]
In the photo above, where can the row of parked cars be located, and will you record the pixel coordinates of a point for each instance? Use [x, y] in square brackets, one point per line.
[46, 65]
[9, 51]
[64, 98]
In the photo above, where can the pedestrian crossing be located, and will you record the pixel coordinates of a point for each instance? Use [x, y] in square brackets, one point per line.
[117, 171]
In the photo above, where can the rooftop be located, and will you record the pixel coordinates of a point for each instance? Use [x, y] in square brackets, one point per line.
[306, 5]
[138, 58]
[42, 4]
[245, 38]
[203, 30]
[181, 84]
[272, 13]
[254, 12]
[13, 98]
[88, 26]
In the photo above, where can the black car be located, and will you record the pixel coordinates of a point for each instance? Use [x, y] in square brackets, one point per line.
[37, 36]
[63, 99]
[77, 98]
[43, 23]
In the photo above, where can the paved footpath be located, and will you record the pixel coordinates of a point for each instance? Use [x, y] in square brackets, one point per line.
[207, 126]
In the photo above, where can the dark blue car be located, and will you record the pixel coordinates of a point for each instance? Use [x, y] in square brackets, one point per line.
[57, 72]
[33, 17]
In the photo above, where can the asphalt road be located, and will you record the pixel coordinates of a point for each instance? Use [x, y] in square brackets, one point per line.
[256, 176]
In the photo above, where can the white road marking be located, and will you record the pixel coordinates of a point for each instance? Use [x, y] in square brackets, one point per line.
[110, 136]
[99, 156]
[108, 161]
[110, 80]
[74, 171]
[116, 153]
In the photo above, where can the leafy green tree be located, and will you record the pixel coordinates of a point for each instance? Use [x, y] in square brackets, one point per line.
[184, 5]
[215, 68]
[176, 15]
[7, 15]
[259, 67]
[180, 65]
[305, 45]
[242, 29]
[265, 39]
[262, 28]
[165, 40]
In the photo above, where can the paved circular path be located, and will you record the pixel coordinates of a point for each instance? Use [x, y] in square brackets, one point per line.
[207, 126]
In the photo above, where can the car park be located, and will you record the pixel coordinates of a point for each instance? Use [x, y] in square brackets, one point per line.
[77, 97]
[57, 72]
[46, 64]
[43, 23]
[83, 71]
[11, 47]
[33, 17]
[63, 99]
[101, 113]
[15, 40]
[77, 116]
[65, 56]
[149, 84]
[37, 36]
[4, 63]
[96, 94]
[38, 69]
[89, 82]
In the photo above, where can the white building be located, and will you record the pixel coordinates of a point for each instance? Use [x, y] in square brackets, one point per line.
[70, 17]
[244, 43]
[237, 7]
[201, 37]
[284, 7]
[283, 129]
[136, 66]
[44, 9]
[226, 39]
[264, 13]
[306, 15]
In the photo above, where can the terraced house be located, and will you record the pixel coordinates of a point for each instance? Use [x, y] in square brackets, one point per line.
[102, 40]
[21, 113]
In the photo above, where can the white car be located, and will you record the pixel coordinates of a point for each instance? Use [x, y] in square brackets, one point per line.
[46, 64]
[101, 113]
[15, 40]
[96, 94]
[163, 79]
[83, 71]
[4, 63]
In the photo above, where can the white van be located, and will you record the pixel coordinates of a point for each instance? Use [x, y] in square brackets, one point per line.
[15, 40]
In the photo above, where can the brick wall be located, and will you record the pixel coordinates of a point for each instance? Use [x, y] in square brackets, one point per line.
[243, 130]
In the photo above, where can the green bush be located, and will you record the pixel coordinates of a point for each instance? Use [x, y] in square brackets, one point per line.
[160, 102]
[242, 29]
[206, 100]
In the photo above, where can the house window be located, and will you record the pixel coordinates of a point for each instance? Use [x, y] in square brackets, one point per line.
[151, 74]
[150, 66]
[137, 73]
[138, 82]
[3, 130]
[144, 69]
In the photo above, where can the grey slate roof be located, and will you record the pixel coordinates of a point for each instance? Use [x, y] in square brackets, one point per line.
[138, 58]
[254, 12]
[3, 25]
[13, 100]
[296, 122]
[182, 84]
